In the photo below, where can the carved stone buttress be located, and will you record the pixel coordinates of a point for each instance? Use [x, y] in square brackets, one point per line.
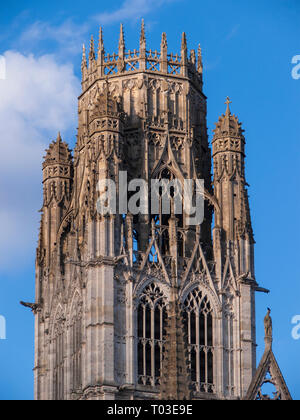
[145, 306]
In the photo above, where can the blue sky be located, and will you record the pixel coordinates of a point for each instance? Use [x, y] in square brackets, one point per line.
[248, 48]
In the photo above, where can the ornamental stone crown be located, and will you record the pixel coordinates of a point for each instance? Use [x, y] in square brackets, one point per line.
[102, 65]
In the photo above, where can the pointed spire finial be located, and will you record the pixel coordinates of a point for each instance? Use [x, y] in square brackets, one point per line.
[200, 62]
[142, 58]
[92, 49]
[164, 53]
[92, 45]
[228, 102]
[59, 139]
[184, 58]
[164, 42]
[83, 62]
[101, 43]
[121, 60]
[183, 42]
[121, 40]
[58, 144]
[101, 54]
[143, 34]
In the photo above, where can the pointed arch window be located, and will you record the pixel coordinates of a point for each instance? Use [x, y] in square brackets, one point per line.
[76, 357]
[167, 202]
[151, 320]
[59, 359]
[198, 321]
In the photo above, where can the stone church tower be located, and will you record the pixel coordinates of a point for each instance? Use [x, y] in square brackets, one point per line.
[145, 306]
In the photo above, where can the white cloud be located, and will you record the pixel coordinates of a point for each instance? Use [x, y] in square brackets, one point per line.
[68, 36]
[38, 98]
[131, 9]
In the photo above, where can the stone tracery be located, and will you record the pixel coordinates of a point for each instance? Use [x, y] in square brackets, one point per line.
[144, 112]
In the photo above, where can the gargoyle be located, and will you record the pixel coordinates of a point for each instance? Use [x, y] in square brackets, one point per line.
[35, 307]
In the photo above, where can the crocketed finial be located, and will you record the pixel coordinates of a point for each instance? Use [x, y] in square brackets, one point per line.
[164, 42]
[143, 34]
[92, 55]
[121, 39]
[200, 62]
[101, 43]
[228, 102]
[59, 139]
[83, 62]
[183, 42]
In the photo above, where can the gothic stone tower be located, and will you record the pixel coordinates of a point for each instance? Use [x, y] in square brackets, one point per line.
[145, 306]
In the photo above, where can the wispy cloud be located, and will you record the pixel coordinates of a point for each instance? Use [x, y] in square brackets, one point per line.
[65, 39]
[233, 32]
[38, 98]
[67, 36]
[131, 10]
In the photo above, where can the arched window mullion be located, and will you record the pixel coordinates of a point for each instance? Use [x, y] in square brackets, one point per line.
[229, 349]
[152, 342]
[189, 327]
[59, 365]
[198, 349]
[200, 339]
[144, 321]
[144, 341]
[152, 336]
[206, 348]
[161, 322]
